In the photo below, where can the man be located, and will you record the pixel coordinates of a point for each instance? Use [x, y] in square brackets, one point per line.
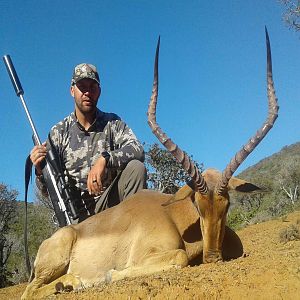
[100, 155]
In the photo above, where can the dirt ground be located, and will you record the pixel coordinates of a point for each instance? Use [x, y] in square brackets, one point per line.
[269, 269]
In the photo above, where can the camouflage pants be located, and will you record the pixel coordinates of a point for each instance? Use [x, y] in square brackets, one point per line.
[128, 182]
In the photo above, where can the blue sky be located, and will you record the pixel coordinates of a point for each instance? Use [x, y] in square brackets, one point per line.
[212, 95]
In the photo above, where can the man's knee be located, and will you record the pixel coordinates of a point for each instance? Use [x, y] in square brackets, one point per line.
[134, 177]
[137, 169]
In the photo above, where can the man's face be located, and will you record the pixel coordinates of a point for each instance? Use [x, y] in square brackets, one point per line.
[86, 93]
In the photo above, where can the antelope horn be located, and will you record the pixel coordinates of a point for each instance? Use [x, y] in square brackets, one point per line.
[181, 156]
[260, 134]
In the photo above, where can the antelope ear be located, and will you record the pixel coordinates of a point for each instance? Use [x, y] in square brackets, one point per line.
[243, 186]
[183, 193]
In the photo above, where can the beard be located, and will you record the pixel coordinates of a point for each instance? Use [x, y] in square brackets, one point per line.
[86, 106]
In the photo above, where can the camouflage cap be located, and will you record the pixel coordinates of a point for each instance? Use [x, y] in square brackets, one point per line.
[84, 70]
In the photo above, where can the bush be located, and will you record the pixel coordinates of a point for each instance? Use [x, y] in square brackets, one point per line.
[291, 233]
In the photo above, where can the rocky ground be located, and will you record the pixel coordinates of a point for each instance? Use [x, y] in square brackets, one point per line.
[269, 269]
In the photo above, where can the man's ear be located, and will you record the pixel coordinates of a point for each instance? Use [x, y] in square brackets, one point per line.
[72, 90]
[243, 186]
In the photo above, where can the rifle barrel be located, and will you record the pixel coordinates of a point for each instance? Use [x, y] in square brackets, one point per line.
[20, 92]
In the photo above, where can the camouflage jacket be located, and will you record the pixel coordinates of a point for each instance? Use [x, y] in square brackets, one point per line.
[78, 149]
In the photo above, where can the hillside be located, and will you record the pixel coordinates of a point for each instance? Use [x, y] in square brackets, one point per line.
[269, 269]
[279, 177]
[269, 167]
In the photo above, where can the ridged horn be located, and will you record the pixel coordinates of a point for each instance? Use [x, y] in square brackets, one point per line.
[260, 134]
[181, 156]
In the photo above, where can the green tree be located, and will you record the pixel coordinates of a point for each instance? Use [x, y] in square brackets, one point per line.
[291, 15]
[8, 206]
[245, 208]
[40, 227]
[165, 174]
[287, 188]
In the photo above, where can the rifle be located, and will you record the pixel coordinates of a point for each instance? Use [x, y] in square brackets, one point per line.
[59, 192]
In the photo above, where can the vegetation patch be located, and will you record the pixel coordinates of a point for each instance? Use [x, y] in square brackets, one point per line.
[291, 233]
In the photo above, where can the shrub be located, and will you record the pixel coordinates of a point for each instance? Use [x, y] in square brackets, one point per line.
[291, 233]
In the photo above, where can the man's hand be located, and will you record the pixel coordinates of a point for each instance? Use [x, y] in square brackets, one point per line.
[94, 183]
[37, 155]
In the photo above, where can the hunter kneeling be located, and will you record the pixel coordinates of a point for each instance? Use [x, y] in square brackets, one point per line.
[99, 155]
